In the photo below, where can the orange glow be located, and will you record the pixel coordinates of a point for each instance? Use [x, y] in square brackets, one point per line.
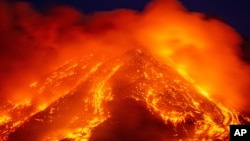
[71, 77]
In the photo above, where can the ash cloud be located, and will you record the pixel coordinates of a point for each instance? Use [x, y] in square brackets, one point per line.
[33, 44]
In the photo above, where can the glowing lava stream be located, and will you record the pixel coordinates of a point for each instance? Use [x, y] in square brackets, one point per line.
[81, 92]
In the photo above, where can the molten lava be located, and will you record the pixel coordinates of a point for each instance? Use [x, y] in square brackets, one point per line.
[163, 74]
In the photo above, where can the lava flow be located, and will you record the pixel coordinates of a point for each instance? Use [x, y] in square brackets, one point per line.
[162, 74]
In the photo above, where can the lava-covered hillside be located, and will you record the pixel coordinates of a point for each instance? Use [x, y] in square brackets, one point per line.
[129, 97]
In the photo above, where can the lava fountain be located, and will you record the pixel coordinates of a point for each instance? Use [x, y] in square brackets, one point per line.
[162, 74]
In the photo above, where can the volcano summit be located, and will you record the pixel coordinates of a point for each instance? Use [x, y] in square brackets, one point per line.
[130, 97]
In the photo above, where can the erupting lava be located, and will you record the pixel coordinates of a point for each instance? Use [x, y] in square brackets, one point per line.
[122, 75]
[96, 86]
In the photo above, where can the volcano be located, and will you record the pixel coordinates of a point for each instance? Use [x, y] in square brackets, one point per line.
[129, 97]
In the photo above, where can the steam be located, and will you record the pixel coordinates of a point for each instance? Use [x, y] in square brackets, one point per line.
[34, 44]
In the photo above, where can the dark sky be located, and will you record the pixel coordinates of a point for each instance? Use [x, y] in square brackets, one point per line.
[234, 12]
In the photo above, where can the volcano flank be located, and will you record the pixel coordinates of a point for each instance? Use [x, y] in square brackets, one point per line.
[130, 97]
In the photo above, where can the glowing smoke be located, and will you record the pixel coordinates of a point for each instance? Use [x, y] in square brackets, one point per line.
[34, 43]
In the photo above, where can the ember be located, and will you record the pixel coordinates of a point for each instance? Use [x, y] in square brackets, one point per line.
[120, 75]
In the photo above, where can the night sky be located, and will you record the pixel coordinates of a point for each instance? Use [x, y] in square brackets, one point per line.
[234, 12]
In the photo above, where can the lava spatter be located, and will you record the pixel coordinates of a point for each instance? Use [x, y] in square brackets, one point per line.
[99, 94]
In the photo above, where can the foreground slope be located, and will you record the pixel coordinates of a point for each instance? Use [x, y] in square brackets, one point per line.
[130, 97]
